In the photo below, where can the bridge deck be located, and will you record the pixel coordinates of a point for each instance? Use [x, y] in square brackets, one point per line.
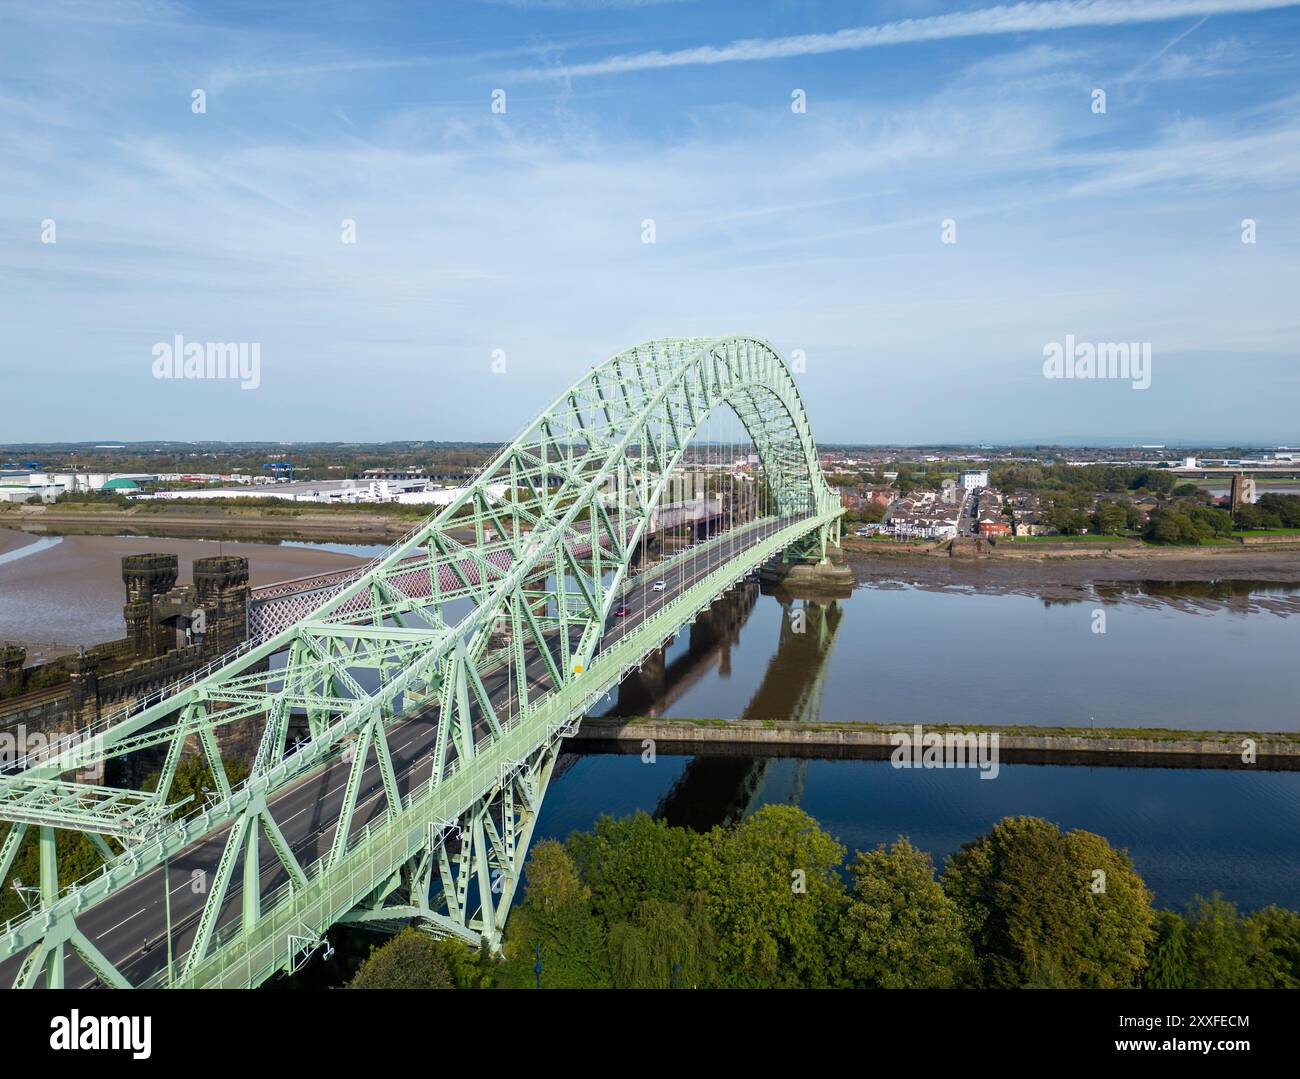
[129, 927]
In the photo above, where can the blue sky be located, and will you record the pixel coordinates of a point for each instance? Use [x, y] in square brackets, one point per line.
[522, 231]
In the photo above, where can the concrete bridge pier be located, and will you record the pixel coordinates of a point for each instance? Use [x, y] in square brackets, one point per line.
[816, 565]
[645, 684]
[712, 627]
[718, 625]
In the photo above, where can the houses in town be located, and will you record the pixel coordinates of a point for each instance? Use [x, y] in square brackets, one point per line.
[1027, 515]
[860, 498]
[924, 515]
[988, 519]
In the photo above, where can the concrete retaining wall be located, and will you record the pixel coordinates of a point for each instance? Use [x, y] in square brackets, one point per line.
[871, 738]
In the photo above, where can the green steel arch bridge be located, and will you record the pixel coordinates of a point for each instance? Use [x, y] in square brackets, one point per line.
[406, 728]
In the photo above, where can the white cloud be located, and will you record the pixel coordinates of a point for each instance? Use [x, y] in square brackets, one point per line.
[523, 233]
[1005, 19]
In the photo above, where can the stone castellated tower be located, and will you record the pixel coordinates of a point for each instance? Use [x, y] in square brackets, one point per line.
[12, 658]
[221, 585]
[146, 576]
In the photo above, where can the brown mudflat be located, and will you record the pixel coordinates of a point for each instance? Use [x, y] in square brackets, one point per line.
[72, 593]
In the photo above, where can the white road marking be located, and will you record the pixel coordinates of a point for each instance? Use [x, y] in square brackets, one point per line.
[125, 920]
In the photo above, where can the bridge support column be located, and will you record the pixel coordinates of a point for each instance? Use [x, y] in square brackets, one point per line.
[642, 687]
[49, 896]
[464, 882]
[814, 565]
[252, 878]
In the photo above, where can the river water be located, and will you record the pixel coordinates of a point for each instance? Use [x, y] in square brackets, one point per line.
[1136, 654]
[1193, 656]
[1190, 655]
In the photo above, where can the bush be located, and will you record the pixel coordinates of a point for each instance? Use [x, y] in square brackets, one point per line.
[409, 961]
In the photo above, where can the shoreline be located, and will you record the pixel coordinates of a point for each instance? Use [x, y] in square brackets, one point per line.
[1130, 747]
[1067, 574]
[1061, 563]
[247, 527]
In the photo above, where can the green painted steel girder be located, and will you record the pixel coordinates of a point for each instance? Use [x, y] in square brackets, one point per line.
[488, 650]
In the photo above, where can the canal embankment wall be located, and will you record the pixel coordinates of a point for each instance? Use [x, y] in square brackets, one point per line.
[1271, 750]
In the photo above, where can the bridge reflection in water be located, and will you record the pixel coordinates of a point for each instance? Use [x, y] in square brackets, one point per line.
[722, 788]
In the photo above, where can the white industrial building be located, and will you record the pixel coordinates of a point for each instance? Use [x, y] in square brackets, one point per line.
[444, 496]
[412, 491]
[47, 486]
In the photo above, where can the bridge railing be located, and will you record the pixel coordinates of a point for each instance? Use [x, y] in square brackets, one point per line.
[389, 841]
[54, 747]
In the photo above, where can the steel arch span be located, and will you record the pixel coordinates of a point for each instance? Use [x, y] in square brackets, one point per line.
[406, 727]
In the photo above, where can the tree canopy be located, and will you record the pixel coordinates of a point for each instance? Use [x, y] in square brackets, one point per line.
[900, 930]
[771, 889]
[1051, 909]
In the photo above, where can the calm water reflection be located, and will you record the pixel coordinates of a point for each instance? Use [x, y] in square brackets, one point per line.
[1218, 655]
[1188, 832]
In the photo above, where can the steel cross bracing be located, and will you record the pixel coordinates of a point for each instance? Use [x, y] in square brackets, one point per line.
[414, 716]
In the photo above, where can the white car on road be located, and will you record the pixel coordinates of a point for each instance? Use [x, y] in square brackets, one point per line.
[659, 586]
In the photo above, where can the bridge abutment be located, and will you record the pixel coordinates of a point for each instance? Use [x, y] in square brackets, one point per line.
[814, 566]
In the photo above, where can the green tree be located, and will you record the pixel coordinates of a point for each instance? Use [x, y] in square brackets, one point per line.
[626, 861]
[76, 858]
[194, 781]
[901, 931]
[555, 916]
[771, 892]
[1280, 931]
[1285, 508]
[1224, 950]
[1154, 480]
[1039, 914]
[1211, 521]
[1187, 523]
[870, 513]
[1067, 519]
[1167, 967]
[1254, 517]
[643, 951]
[1170, 526]
[468, 967]
[1109, 518]
[409, 961]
